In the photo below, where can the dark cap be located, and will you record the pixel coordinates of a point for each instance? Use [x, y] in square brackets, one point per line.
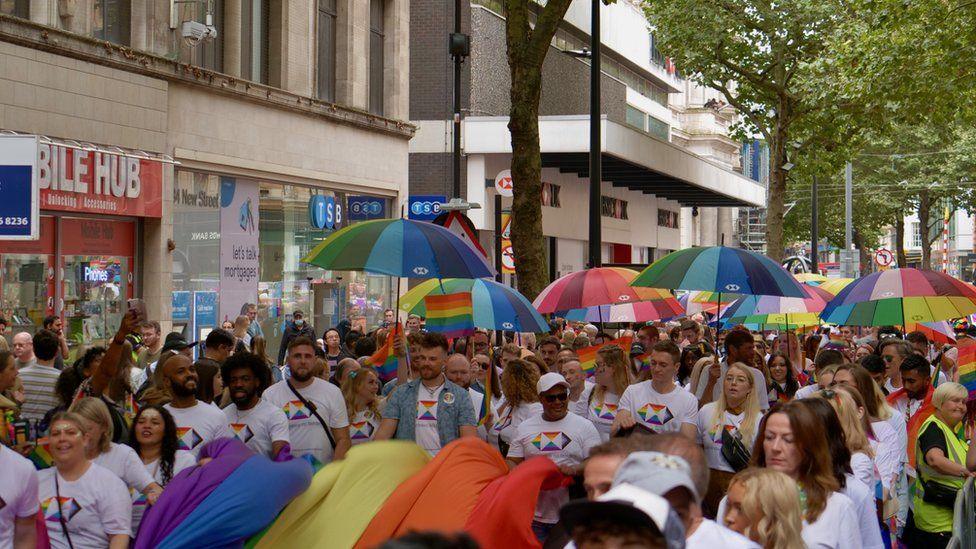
[176, 342]
[297, 312]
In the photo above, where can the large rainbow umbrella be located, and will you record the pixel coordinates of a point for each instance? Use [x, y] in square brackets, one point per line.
[399, 247]
[495, 306]
[833, 286]
[778, 321]
[814, 302]
[591, 288]
[720, 269]
[939, 333]
[664, 308]
[814, 279]
[901, 296]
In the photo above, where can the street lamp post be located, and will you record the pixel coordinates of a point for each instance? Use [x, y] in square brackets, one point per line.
[814, 229]
[459, 46]
[595, 148]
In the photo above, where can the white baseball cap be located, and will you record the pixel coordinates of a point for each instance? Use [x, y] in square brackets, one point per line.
[626, 503]
[550, 380]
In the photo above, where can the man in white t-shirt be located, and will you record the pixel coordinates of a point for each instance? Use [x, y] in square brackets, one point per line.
[197, 422]
[579, 388]
[739, 347]
[659, 404]
[564, 438]
[260, 425]
[18, 500]
[304, 399]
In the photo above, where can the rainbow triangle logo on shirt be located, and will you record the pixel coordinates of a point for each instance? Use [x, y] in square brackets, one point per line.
[296, 410]
[188, 438]
[605, 411]
[655, 414]
[138, 498]
[360, 430]
[551, 442]
[242, 432]
[715, 433]
[425, 410]
[69, 507]
[503, 422]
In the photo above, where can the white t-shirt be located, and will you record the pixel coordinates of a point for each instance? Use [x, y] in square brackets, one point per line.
[306, 433]
[863, 467]
[18, 492]
[887, 452]
[602, 410]
[836, 527]
[198, 425]
[566, 442]
[660, 412]
[426, 433]
[183, 460]
[712, 535]
[711, 438]
[95, 506]
[362, 426]
[759, 381]
[125, 463]
[867, 518]
[807, 391]
[508, 419]
[579, 406]
[258, 427]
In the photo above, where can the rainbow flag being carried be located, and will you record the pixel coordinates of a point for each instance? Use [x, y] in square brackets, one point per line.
[967, 365]
[587, 355]
[385, 359]
[450, 314]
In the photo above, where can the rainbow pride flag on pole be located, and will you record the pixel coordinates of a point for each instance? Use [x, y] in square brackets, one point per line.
[967, 365]
[385, 359]
[450, 314]
[587, 355]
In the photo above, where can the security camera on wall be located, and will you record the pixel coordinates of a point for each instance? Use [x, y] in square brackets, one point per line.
[194, 32]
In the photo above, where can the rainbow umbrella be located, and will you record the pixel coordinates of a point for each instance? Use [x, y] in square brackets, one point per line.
[639, 311]
[590, 288]
[814, 279]
[940, 332]
[901, 296]
[778, 321]
[814, 302]
[833, 286]
[720, 269]
[694, 303]
[496, 306]
[713, 297]
[399, 247]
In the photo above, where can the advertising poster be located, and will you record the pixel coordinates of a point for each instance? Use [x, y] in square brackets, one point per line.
[239, 249]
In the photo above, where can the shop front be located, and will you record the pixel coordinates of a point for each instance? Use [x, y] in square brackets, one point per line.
[84, 265]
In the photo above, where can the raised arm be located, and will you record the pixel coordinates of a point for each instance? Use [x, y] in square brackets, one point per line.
[109, 366]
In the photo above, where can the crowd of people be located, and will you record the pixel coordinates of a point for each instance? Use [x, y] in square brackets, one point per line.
[673, 436]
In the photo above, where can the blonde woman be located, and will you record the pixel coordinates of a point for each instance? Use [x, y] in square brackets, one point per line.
[363, 404]
[736, 412]
[764, 505]
[520, 400]
[612, 376]
[856, 428]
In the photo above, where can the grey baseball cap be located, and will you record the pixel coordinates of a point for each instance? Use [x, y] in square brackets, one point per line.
[627, 504]
[656, 473]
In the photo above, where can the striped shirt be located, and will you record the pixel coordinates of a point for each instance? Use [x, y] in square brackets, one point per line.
[39, 395]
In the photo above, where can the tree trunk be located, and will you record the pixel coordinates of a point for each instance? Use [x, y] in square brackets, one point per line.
[863, 261]
[776, 194]
[902, 259]
[924, 223]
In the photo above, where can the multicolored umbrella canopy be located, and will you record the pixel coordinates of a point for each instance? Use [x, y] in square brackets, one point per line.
[939, 333]
[697, 302]
[899, 296]
[496, 306]
[590, 288]
[814, 279]
[778, 321]
[815, 302]
[399, 247]
[640, 311]
[833, 286]
[720, 269]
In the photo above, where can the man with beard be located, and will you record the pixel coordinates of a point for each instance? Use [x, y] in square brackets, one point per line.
[253, 420]
[430, 410]
[197, 422]
[318, 424]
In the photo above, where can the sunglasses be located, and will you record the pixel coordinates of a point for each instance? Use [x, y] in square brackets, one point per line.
[887, 358]
[556, 398]
[482, 365]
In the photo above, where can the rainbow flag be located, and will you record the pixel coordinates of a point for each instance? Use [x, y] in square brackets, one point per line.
[914, 422]
[645, 362]
[40, 456]
[384, 359]
[450, 314]
[967, 365]
[587, 355]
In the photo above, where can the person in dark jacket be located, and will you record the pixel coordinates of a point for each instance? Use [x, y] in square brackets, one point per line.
[297, 327]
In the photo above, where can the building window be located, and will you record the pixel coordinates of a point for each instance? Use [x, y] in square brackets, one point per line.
[655, 54]
[110, 20]
[667, 219]
[326, 50]
[916, 235]
[636, 118]
[658, 128]
[255, 15]
[17, 8]
[209, 54]
[648, 124]
[377, 12]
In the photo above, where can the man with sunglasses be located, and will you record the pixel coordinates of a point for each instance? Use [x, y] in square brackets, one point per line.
[564, 438]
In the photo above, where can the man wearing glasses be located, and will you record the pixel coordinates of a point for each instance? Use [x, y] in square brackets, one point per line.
[564, 438]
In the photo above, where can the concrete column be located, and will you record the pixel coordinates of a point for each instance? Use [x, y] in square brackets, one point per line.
[44, 12]
[724, 222]
[397, 56]
[352, 53]
[75, 15]
[476, 190]
[157, 275]
[232, 37]
[298, 39]
[139, 25]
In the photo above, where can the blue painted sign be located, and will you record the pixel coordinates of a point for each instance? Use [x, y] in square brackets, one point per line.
[362, 208]
[324, 212]
[205, 310]
[181, 306]
[16, 217]
[426, 207]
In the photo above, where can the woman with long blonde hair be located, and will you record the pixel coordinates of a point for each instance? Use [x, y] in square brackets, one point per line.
[520, 400]
[854, 421]
[612, 376]
[735, 415]
[363, 404]
[764, 505]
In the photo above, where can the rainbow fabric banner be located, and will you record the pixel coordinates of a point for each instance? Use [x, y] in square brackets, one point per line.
[40, 455]
[967, 366]
[587, 355]
[384, 359]
[450, 314]
[644, 361]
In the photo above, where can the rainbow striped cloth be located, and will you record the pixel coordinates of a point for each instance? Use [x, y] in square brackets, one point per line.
[40, 456]
[644, 361]
[587, 355]
[450, 314]
[967, 365]
[384, 359]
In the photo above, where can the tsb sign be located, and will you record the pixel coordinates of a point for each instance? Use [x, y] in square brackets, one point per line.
[324, 212]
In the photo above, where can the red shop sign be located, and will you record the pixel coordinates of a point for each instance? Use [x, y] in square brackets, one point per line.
[78, 180]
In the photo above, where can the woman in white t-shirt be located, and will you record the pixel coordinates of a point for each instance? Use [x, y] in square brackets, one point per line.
[154, 439]
[736, 412]
[847, 403]
[520, 400]
[360, 389]
[612, 376]
[85, 506]
[764, 505]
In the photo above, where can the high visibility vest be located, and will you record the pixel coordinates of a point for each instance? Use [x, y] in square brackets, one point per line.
[930, 517]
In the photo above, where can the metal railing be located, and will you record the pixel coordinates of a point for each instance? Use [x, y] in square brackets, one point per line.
[964, 518]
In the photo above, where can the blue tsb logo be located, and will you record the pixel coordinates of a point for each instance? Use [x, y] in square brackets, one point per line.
[324, 212]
